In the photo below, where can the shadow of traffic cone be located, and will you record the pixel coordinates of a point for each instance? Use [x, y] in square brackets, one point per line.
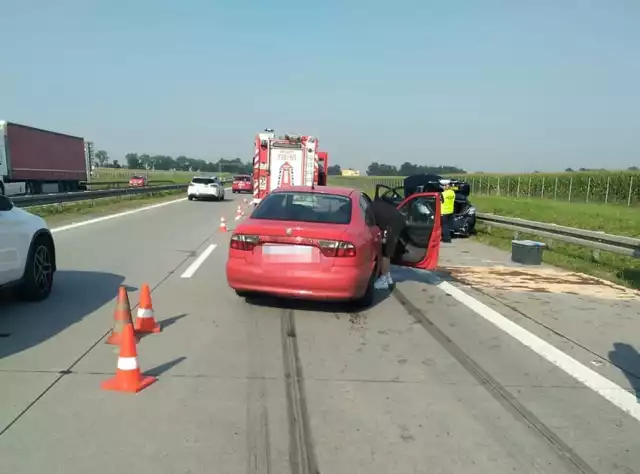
[121, 317]
[128, 377]
[146, 319]
[223, 225]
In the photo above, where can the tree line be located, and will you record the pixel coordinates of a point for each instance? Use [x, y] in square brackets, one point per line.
[406, 169]
[145, 161]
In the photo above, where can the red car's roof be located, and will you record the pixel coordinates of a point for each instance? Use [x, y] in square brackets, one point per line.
[318, 190]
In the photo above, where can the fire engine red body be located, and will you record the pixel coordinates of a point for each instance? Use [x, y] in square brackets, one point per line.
[283, 161]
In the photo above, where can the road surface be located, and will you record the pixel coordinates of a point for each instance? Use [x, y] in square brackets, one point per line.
[484, 367]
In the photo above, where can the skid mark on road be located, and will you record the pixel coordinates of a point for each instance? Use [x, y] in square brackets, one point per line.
[612, 392]
[258, 436]
[499, 393]
[598, 363]
[302, 456]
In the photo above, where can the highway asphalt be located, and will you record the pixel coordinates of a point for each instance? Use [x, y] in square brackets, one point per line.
[483, 367]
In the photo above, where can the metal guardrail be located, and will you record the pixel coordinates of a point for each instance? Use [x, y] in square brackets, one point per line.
[59, 198]
[121, 184]
[621, 245]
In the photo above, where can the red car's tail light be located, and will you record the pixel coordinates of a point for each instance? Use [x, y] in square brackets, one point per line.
[244, 242]
[336, 248]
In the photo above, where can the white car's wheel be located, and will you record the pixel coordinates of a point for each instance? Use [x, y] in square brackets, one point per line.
[39, 269]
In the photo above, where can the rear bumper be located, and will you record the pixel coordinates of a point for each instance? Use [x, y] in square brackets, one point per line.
[205, 193]
[339, 284]
[247, 189]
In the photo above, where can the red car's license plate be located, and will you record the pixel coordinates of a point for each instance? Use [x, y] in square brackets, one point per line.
[289, 253]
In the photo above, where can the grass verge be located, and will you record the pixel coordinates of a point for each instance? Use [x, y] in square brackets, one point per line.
[65, 213]
[612, 219]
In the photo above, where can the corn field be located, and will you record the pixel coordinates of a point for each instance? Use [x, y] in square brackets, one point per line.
[606, 188]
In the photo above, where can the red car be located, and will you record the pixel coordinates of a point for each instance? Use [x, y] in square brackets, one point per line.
[137, 181]
[242, 183]
[323, 244]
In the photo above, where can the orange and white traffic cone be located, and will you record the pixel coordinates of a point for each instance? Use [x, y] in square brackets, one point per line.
[121, 317]
[239, 212]
[128, 377]
[223, 225]
[146, 320]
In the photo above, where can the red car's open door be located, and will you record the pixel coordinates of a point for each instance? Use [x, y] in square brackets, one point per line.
[419, 245]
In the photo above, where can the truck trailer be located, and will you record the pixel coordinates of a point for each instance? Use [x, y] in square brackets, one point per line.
[39, 161]
[286, 160]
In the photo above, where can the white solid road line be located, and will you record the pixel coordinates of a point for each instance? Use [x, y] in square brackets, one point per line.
[113, 216]
[75, 225]
[596, 382]
[190, 271]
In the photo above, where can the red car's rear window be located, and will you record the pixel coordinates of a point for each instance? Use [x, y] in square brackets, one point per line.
[242, 178]
[305, 207]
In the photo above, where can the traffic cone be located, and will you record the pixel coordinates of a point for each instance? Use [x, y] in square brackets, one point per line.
[223, 225]
[121, 316]
[146, 320]
[239, 211]
[128, 377]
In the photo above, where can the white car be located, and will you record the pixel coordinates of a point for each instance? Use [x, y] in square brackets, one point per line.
[27, 252]
[204, 187]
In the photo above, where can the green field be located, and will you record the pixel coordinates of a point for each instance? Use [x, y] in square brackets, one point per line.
[621, 187]
[611, 218]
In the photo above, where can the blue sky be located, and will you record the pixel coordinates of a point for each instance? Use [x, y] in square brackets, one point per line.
[512, 85]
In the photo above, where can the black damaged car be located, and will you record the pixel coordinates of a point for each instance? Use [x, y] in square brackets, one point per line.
[464, 213]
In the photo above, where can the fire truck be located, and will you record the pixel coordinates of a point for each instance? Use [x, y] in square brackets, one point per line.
[284, 160]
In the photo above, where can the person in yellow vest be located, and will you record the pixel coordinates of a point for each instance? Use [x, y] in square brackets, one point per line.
[448, 198]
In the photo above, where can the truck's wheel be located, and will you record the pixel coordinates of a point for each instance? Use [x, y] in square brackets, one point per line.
[1, 189]
[38, 274]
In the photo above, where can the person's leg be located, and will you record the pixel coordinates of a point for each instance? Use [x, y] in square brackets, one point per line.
[392, 243]
[450, 225]
[385, 264]
[446, 233]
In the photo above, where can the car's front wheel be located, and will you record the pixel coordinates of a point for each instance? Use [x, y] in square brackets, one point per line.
[37, 281]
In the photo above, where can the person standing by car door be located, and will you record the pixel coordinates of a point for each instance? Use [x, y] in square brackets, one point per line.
[448, 202]
[391, 222]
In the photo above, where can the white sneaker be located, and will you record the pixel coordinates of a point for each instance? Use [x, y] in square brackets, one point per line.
[381, 283]
[389, 279]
